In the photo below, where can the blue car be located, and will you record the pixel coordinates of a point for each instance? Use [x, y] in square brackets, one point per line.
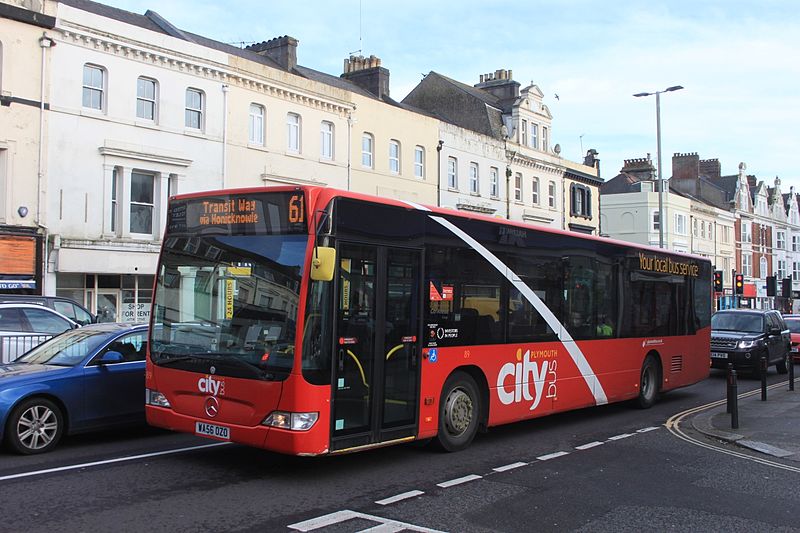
[82, 380]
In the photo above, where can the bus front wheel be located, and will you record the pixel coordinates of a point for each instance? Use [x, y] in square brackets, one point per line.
[649, 382]
[459, 409]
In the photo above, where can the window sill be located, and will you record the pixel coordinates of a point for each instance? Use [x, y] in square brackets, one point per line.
[257, 147]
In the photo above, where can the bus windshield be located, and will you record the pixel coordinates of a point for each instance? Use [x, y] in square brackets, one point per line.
[230, 300]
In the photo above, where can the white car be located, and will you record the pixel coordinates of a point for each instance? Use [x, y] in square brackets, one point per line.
[23, 326]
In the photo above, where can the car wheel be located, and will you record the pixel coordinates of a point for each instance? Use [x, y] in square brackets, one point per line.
[782, 366]
[649, 383]
[459, 411]
[35, 426]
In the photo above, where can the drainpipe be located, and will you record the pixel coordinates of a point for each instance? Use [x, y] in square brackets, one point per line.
[225, 89]
[439, 172]
[45, 42]
[350, 122]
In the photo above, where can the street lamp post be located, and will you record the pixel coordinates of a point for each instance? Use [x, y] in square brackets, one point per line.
[662, 219]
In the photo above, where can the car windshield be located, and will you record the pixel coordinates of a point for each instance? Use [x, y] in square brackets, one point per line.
[67, 349]
[794, 325]
[746, 322]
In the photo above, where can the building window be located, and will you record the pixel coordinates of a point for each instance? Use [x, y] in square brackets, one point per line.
[142, 203]
[452, 173]
[781, 240]
[726, 234]
[494, 182]
[326, 140]
[473, 178]
[524, 133]
[680, 224]
[419, 162]
[94, 79]
[535, 136]
[795, 271]
[535, 191]
[394, 156]
[114, 199]
[367, 150]
[762, 264]
[747, 235]
[146, 98]
[255, 125]
[544, 139]
[781, 268]
[195, 103]
[551, 194]
[747, 265]
[518, 187]
[656, 221]
[581, 199]
[694, 227]
[293, 132]
[795, 243]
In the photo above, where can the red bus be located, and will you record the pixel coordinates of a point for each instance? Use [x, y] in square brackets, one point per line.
[308, 320]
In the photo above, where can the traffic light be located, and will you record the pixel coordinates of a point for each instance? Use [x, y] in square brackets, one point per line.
[786, 288]
[772, 285]
[718, 281]
[738, 284]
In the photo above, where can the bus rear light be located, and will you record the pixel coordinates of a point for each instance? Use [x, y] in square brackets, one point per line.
[291, 421]
[153, 397]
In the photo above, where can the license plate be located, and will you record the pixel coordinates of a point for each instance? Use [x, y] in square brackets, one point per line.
[719, 355]
[210, 430]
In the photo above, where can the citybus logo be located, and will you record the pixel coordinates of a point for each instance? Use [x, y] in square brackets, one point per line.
[209, 385]
[539, 368]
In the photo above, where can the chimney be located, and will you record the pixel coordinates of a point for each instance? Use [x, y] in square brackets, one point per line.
[711, 168]
[500, 83]
[641, 168]
[367, 73]
[283, 50]
[685, 166]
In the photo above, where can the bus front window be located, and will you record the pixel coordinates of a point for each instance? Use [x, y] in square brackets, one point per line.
[231, 300]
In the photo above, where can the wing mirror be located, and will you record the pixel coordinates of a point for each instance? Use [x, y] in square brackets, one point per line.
[323, 262]
[111, 357]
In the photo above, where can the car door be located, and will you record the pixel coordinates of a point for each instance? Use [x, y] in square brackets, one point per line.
[114, 392]
[774, 340]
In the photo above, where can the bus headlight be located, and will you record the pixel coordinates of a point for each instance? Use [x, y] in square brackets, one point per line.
[153, 397]
[291, 421]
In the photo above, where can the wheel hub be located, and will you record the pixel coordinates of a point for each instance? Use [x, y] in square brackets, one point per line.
[458, 412]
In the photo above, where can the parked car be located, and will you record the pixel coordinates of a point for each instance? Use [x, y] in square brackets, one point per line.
[793, 321]
[743, 336]
[85, 379]
[23, 326]
[69, 308]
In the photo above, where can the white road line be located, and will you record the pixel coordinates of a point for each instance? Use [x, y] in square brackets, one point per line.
[400, 497]
[589, 445]
[620, 437]
[110, 461]
[323, 521]
[458, 481]
[385, 528]
[384, 525]
[645, 430]
[509, 467]
[552, 456]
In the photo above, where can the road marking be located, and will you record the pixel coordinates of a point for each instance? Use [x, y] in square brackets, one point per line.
[400, 497]
[509, 467]
[589, 445]
[552, 456]
[111, 461]
[645, 430]
[620, 437]
[384, 524]
[458, 481]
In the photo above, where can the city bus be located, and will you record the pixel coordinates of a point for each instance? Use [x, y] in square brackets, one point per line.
[311, 321]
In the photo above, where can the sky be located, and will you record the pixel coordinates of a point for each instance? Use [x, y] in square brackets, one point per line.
[735, 59]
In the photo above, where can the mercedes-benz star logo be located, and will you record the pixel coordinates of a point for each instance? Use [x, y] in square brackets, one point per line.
[212, 406]
[212, 370]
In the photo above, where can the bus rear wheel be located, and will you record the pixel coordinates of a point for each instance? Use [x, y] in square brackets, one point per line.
[649, 382]
[459, 410]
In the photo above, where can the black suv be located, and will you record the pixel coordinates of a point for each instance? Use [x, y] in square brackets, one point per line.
[743, 336]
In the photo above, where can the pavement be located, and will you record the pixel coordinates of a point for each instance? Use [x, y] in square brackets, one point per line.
[771, 427]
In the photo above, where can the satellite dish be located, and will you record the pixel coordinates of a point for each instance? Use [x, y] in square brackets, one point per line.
[557, 148]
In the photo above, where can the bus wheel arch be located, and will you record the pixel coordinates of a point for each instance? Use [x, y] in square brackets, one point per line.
[463, 408]
[650, 378]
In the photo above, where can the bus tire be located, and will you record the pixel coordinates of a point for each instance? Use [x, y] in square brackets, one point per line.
[649, 382]
[459, 412]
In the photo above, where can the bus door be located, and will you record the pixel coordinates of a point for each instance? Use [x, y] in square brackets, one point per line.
[376, 367]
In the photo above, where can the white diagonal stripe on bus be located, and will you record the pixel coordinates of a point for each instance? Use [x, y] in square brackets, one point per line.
[563, 335]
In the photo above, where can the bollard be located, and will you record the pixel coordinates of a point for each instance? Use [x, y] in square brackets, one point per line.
[763, 378]
[791, 372]
[733, 399]
[730, 400]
